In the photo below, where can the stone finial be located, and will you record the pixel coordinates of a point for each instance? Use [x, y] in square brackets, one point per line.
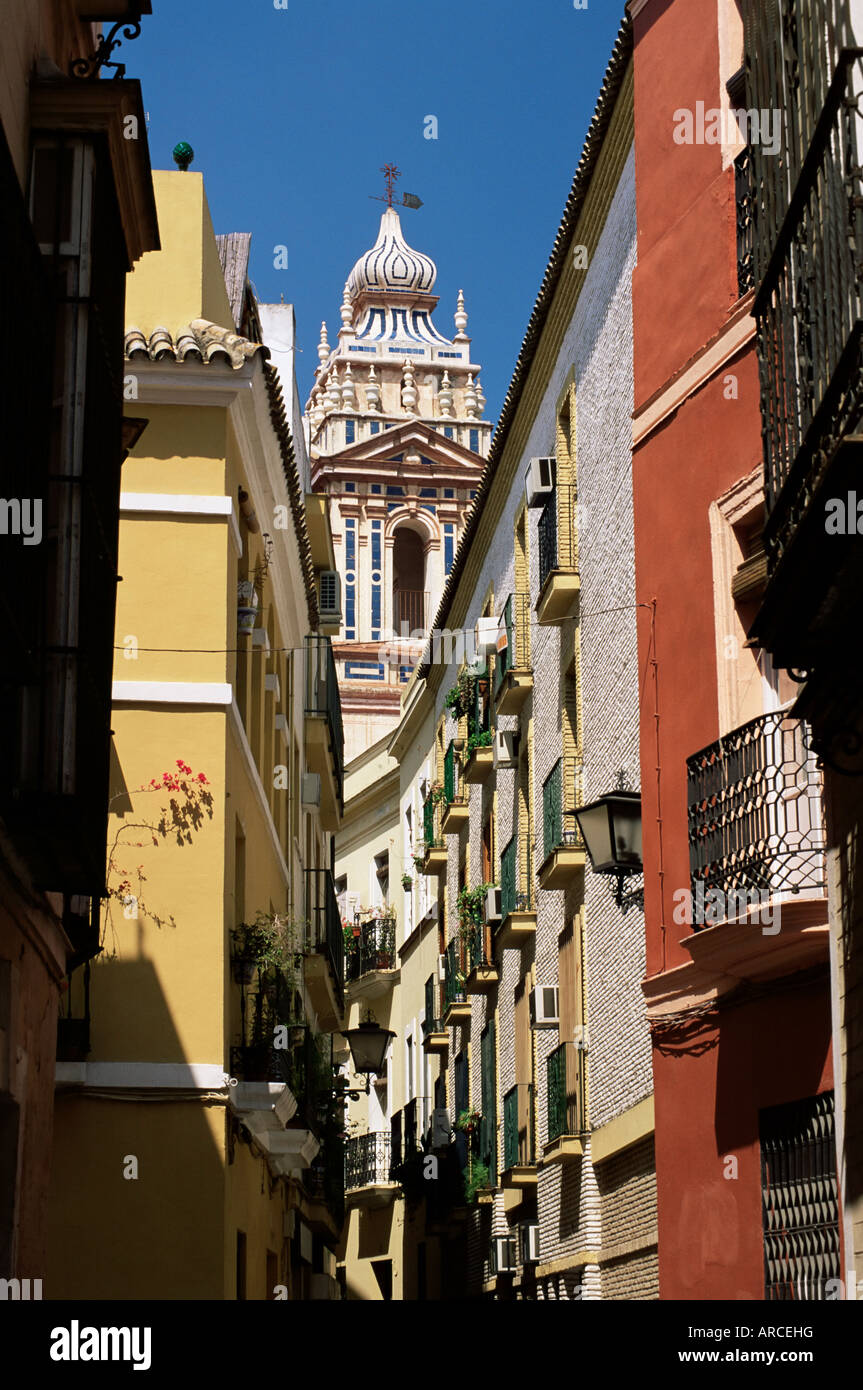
[323, 345]
[373, 392]
[334, 394]
[445, 398]
[470, 400]
[460, 318]
[347, 314]
[349, 395]
[409, 390]
[317, 412]
[480, 398]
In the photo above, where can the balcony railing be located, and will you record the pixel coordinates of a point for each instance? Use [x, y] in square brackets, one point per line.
[566, 1079]
[305, 1065]
[432, 835]
[451, 781]
[557, 534]
[454, 975]
[560, 795]
[518, 1147]
[431, 1022]
[511, 899]
[808, 212]
[410, 609]
[373, 949]
[479, 948]
[479, 714]
[326, 934]
[516, 623]
[755, 820]
[368, 1160]
[745, 204]
[322, 698]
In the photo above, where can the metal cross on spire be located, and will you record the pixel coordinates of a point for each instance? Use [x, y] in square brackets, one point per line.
[408, 200]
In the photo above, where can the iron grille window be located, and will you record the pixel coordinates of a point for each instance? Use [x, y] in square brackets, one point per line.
[745, 204]
[755, 819]
[432, 1021]
[800, 1199]
[453, 975]
[462, 1103]
[449, 773]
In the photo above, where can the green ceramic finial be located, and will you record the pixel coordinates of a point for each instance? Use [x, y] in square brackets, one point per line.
[183, 155]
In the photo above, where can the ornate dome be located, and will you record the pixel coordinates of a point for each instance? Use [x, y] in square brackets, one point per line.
[391, 264]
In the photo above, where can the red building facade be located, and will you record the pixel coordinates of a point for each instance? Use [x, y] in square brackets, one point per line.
[737, 983]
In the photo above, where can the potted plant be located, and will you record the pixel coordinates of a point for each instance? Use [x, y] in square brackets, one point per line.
[407, 882]
[479, 740]
[247, 606]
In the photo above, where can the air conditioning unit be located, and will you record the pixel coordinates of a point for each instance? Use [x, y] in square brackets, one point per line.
[492, 905]
[540, 480]
[528, 1238]
[502, 1255]
[505, 748]
[441, 969]
[486, 636]
[271, 684]
[330, 596]
[580, 1038]
[544, 1011]
[311, 790]
[441, 1129]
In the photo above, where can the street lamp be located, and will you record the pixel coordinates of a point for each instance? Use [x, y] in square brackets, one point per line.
[611, 829]
[368, 1045]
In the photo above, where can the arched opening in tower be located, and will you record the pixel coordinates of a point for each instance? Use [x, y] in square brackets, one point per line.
[410, 599]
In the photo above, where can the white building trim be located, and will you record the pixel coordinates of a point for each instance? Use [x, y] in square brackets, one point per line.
[198, 1076]
[171, 693]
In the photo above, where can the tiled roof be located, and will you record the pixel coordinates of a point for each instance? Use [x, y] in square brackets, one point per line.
[234, 254]
[201, 341]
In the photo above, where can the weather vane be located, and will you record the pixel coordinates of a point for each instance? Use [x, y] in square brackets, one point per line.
[408, 200]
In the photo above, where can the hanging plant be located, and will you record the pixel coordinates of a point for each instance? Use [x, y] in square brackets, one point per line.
[437, 796]
[407, 882]
[476, 1178]
[471, 909]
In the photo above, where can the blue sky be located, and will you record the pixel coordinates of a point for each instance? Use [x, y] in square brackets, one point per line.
[292, 112]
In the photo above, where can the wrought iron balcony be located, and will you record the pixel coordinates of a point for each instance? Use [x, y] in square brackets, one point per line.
[566, 1080]
[368, 1161]
[562, 844]
[323, 707]
[512, 670]
[432, 1025]
[557, 536]
[455, 1000]
[745, 204]
[373, 949]
[326, 943]
[755, 816]
[456, 811]
[517, 910]
[804, 67]
[518, 1128]
[434, 859]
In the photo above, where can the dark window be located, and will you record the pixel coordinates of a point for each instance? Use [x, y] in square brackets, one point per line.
[800, 1202]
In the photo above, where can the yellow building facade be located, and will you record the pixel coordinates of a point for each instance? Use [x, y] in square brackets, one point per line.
[196, 1124]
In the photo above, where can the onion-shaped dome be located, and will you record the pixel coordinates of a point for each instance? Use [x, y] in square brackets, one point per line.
[391, 264]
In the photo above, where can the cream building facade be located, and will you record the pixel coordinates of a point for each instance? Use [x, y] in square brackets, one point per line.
[521, 1060]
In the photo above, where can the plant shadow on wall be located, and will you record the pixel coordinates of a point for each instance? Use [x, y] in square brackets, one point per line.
[179, 819]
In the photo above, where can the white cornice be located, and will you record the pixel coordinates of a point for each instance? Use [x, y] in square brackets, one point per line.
[163, 1076]
[184, 504]
[186, 383]
[171, 693]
